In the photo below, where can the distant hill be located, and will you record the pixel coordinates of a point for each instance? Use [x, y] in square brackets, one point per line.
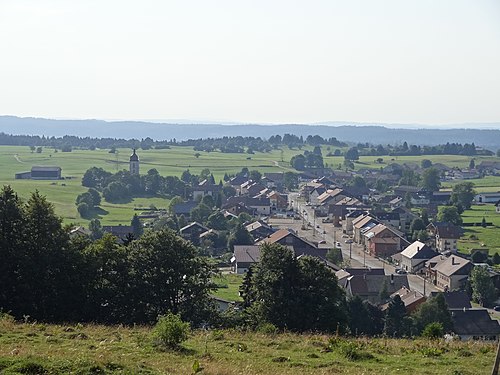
[375, 134]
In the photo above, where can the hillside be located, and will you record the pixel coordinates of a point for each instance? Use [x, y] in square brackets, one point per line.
[56, 349]
[373, 133]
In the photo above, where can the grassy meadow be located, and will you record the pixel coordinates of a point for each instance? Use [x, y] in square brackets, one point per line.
[30, 348]
[228, 285]
[171, 161]
[486, 237]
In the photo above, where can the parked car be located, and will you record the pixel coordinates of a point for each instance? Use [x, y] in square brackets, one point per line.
[348, 241]
[401, 272]
[496, 308]
[337, 244]
[321, 242]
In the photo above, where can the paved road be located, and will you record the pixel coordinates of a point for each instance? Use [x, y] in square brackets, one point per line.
[354, 253]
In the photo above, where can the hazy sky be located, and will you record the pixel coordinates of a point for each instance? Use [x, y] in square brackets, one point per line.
[273, 61]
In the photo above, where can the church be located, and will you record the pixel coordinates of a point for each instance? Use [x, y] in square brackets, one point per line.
[134, 164]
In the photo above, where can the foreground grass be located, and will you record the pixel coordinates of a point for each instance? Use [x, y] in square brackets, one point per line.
[57, 349]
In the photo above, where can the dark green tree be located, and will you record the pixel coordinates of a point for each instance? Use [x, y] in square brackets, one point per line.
[483, 290]
[431, 179]
[449, 214]
[434, 310]
[239, 236]
[463, 193]
[394, 318]
[167, 275]
[137, 228]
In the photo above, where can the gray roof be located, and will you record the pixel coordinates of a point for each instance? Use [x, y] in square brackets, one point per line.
[418, 250]
[247, 253]
[41, 168]
[453, 265]
[474, 322]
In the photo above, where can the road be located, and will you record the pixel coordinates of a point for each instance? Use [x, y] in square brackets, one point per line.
[354, 253]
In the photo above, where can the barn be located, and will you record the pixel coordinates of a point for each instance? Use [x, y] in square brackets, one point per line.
[45, 173]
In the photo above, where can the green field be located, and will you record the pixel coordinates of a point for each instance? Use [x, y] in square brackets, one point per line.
[84, 350]
[486, 237]
[168, 162]
[228, 286]
[74, 164]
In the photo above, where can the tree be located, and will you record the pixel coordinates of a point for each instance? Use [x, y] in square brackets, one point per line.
[394, 317]
[498, 153]
[417, 224]
[137, 228]
[426, 163]
[290, 180]
[298, 162]
[449, 214]
[472, 164]
[434, 310]
[296, 294]
[39, 150]
[255, 175]
[167, 275]
[208, 200]
[431, 179]
[483, 290]
[463, 193]
[240, 236]
[217, 221]
[351, 154]
[200, 213]
[170, 331]
[95, 228]
[358, 182]
[96, 197]
[496, 258]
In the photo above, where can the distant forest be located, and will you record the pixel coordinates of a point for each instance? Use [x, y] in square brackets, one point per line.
[351, 133]
[238, 144]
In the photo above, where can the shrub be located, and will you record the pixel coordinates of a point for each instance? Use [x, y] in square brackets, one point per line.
[170, 331]
[267, 329]
[433, 330]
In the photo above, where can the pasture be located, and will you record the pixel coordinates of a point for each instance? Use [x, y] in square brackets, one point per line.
[171, 161]
[31, 348]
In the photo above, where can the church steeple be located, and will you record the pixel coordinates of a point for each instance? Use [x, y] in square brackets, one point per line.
[134, 163]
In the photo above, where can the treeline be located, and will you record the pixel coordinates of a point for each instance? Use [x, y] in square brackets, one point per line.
[416, 150]
[238, 144]
[45, 275]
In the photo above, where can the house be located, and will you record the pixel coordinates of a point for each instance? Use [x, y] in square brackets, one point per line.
[259, 230]
[344, 273]
[414, 256]
[372, 288]
[274, 179]
[452, 273]
[278, 201]
[261, 205]
[487, 197]
[222, 304]
[184, 208]
[300, 246]
[243, 257]
[340, 209]
[457, 299]
[411, 299]
[79, 231]
[122, 232]
[383, 241]
[193, 231]
[406, 216]
[315, 193]
[206, 187]
[362, 223]
[444, 236]
[353, 213]
[474, 324]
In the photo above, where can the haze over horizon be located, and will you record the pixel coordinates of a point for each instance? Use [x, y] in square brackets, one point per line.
[412, 63]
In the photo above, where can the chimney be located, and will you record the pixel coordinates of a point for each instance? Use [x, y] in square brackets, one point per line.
[453, 261]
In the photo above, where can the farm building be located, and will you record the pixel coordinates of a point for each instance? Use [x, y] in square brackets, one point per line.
[40, 173]
[487, 197]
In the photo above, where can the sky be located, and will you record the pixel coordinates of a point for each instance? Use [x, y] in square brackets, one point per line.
[261, 61]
